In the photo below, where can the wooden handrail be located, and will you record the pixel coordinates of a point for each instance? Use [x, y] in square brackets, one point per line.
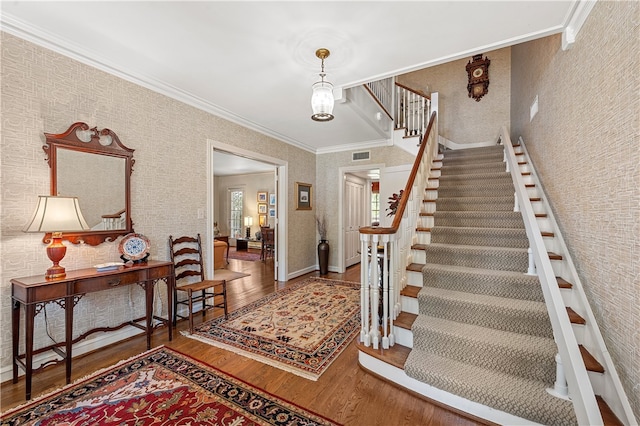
[417, 92]
[375, 98]
[376, 230]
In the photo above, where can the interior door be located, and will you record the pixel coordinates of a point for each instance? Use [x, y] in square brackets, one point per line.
[355, 217]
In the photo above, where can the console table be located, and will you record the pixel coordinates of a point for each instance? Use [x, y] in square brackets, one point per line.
[35, 292]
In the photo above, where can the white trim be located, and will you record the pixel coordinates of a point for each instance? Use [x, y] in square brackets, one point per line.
[576, 21]
[25, 31]
[281, 207]
[454, 145]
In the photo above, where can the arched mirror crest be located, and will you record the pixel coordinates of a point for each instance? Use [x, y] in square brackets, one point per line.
[96, 167]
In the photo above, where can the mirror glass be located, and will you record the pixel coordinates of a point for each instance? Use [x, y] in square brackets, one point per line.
[99, 183]
[96, 167]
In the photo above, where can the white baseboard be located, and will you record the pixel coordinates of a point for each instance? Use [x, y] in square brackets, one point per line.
[454, 145]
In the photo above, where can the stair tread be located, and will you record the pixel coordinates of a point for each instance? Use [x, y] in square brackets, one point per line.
[562, 283]
[515, 342]
[415, 267]
[608, 416]
[405, 320]
[396, 355]
[590, 362]
[471, 248]
[411, 291]
[484, 299]
[574, 317]
[554, 256]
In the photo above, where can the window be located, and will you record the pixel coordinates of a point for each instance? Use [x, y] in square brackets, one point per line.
[236, 201]
[375, 203]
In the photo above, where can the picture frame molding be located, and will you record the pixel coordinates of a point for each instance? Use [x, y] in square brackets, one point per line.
[304, 195]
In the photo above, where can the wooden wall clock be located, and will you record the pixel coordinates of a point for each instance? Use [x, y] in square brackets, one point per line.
[478, 72]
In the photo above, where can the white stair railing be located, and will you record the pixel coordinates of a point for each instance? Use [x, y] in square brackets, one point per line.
[607, 384]
[385, 252]
[580, 389]
[412, 111]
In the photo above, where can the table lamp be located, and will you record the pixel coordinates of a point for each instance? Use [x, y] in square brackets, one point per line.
[248, 221]
[56, 215]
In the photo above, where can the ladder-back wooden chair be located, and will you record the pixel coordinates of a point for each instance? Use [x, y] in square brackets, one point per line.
[268, 242]
[186, 255]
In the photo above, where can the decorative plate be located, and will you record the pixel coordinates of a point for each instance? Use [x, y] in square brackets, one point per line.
[134, 246]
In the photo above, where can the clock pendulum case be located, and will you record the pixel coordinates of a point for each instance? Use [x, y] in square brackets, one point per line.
[478, 73]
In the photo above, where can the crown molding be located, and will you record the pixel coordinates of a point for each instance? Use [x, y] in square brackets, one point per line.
[35, 35]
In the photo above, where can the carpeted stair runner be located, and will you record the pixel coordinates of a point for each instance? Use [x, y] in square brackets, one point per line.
[483, 331]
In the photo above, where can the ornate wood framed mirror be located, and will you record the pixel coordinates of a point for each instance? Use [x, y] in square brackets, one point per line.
[96, 167]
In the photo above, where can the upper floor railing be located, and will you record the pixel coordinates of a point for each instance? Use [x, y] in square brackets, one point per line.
[385, 252]
[408, 108]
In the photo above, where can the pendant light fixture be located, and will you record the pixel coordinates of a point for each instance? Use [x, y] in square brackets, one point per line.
[322, 97]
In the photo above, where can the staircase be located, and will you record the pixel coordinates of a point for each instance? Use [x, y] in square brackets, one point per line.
[482, 330]
[473, 330]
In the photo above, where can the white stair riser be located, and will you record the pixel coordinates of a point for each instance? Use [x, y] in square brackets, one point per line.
[404, 337]
[409, 304]
[414, 278]
[419, 256]
[423, 237]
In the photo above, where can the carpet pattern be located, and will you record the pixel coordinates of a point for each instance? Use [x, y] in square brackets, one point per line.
[483, 331]
[301, 329]
[161, 387]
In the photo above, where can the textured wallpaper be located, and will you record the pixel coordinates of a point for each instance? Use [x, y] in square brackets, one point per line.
[43, 91]
[585, 143]
[462, 119]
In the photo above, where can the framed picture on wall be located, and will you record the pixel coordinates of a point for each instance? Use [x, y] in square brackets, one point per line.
[263, 219]
[303, 196]
[262, 208]
[272, 199]
[262, 197]
[272, 212]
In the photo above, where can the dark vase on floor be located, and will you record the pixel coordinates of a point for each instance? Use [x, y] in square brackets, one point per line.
[323, 256]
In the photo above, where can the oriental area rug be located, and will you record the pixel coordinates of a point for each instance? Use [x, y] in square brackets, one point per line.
[161, 387]
[301, 329]
[251, 255]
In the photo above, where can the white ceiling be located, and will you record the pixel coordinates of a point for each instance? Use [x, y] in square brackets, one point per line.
[254, 62]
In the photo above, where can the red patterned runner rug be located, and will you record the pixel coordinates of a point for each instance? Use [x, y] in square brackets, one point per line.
[301, 329]
[161, 387]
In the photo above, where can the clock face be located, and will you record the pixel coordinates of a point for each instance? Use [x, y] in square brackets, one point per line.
[478, 72]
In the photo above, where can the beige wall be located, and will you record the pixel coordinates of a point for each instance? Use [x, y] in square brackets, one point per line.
[585, 144]
[462, 119]
[328, 182]
[43, 91]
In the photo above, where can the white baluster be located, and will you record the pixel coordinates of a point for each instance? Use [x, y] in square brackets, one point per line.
[532, 264]
[560, 388]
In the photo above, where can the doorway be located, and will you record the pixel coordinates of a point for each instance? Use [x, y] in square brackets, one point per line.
[354, 194]
[278, 216]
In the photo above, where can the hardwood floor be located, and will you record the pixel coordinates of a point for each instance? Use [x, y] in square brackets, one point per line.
[345, 392]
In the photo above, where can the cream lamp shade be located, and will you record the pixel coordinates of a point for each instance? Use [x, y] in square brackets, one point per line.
[56, 215]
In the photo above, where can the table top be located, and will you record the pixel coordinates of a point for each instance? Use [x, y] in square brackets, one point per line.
[77, 274]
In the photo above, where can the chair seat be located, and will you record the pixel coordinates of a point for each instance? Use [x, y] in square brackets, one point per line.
[202, 285]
